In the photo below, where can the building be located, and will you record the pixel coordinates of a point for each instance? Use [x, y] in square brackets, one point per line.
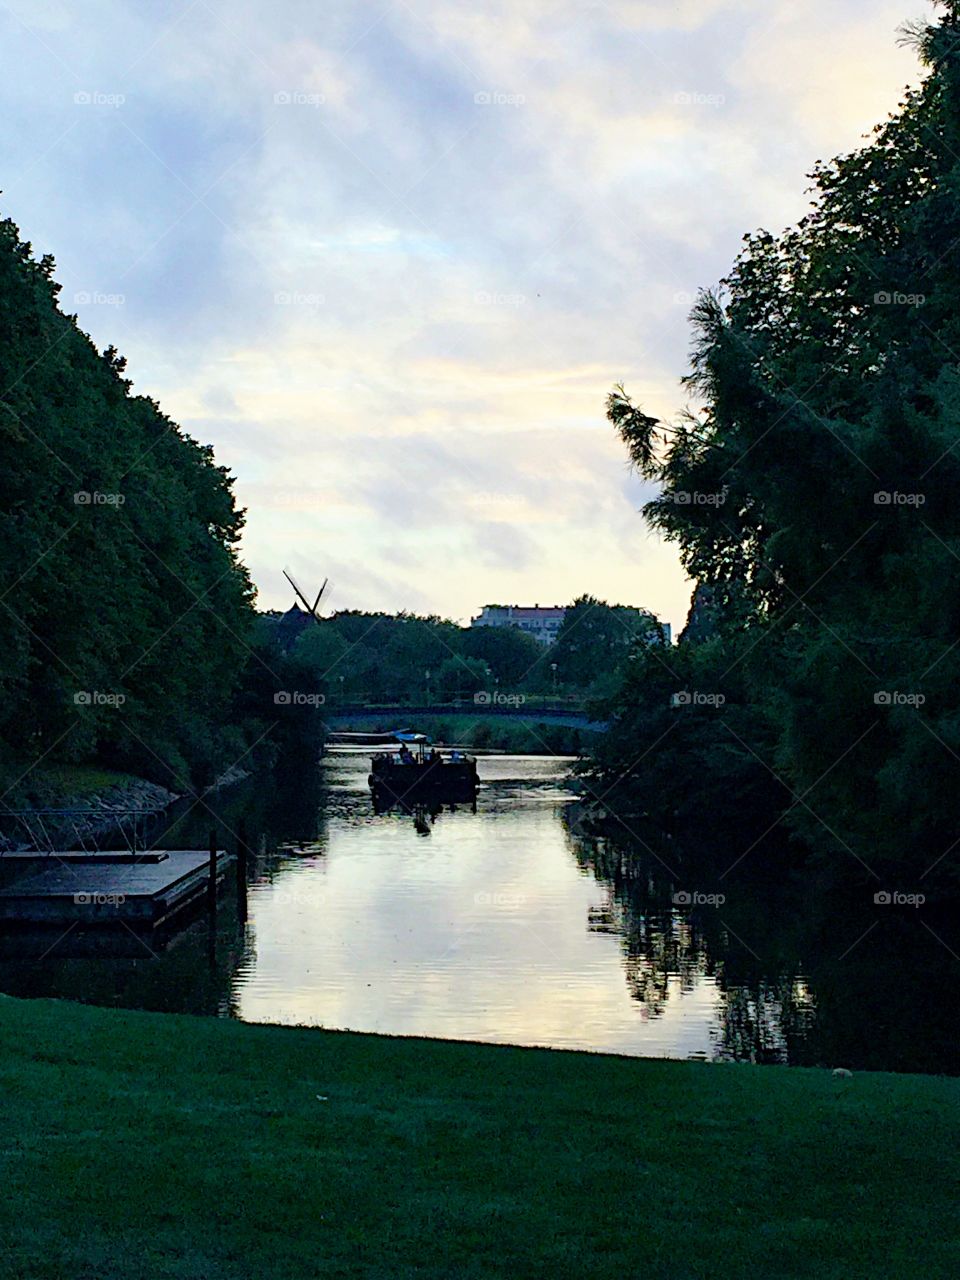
[542, 623]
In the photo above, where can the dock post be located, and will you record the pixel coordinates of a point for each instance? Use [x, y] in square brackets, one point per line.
[212, 883]
[242, 870]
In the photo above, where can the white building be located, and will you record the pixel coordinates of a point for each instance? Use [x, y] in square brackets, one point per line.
[541, 623]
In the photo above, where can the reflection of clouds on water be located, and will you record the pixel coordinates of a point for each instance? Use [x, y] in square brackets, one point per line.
[482, 932]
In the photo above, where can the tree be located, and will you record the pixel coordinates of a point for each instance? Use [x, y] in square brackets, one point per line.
[813, 492]
[124, 609]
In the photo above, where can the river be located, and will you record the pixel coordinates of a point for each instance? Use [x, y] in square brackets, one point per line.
[510, 925]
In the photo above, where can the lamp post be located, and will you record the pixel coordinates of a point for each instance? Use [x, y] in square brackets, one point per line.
[553, 668]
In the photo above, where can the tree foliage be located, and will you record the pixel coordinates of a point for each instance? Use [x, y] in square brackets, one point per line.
[813, 490]
[124, 609]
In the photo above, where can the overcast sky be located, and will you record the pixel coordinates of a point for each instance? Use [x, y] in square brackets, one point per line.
[389, 258]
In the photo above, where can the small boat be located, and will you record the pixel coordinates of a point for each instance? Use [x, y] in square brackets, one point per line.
[410, 774]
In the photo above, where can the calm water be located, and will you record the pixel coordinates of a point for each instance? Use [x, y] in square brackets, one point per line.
[507, 925]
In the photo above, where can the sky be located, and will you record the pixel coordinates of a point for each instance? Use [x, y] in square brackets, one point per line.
[389, 258]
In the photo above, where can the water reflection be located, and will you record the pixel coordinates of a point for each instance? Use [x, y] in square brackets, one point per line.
[512, 923]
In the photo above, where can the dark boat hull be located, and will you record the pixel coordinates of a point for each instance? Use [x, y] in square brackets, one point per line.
[449, 782]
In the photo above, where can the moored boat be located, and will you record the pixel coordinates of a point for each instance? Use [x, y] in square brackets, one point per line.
[411, 773]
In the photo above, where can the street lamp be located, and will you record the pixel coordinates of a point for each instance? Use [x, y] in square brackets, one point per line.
[553, 668]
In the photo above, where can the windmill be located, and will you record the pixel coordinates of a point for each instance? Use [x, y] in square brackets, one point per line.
[310, 608]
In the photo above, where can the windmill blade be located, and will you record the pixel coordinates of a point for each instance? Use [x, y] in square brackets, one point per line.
[319, 594]
[306, 603]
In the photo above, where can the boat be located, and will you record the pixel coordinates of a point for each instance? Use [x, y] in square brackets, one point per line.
[409, 774]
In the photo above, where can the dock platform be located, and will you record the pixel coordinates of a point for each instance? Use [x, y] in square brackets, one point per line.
[141, 890]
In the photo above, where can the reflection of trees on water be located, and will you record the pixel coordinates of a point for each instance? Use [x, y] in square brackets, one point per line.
[191, 968]
[806, 974]
[670, 951]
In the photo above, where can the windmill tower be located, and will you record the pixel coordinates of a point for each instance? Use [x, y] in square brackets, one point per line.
[295, 620]
[310, 608]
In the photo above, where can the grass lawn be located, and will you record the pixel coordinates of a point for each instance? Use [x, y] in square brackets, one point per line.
[149, 1145]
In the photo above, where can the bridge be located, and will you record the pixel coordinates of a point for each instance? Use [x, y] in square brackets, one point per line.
[357, 715]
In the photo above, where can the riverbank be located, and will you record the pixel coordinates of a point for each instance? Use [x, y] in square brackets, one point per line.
[153, 1145]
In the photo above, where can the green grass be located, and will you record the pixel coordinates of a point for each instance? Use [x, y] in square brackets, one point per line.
[149, 1145]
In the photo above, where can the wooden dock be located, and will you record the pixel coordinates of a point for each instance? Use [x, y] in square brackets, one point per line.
[139, 890]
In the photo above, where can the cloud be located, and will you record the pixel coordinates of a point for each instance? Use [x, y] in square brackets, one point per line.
[390, 262]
